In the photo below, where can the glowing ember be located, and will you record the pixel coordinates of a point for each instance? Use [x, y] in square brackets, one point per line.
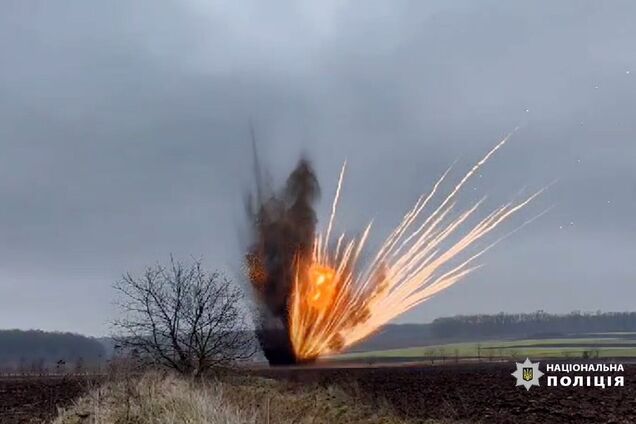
[335, 303]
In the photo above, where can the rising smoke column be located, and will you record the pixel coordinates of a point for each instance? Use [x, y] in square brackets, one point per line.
[283, 226]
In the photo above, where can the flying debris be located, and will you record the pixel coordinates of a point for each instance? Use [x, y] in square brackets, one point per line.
[316, 297]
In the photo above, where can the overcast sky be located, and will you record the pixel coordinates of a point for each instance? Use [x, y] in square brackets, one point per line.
[123, 138]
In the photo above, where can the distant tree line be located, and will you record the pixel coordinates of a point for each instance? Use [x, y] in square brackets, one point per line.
[36, 351]
[396, 336]
[538, 323]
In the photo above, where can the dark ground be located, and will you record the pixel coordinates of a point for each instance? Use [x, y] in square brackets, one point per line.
[472, 393]
[483, 393]
[36, 399]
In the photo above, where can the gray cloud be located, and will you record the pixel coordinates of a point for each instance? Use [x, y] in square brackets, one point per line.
[123, 137]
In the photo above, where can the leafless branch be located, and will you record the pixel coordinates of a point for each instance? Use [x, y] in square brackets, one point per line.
[183, 317]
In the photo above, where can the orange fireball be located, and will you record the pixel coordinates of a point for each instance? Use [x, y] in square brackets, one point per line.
[321, 286]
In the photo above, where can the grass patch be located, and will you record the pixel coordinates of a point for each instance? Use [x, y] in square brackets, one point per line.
[154, 398]
[285, 403]
[158, 398]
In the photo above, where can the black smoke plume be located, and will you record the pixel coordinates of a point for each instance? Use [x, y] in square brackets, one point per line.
[283, 225]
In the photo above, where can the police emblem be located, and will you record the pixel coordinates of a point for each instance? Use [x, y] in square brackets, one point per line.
[527, 374]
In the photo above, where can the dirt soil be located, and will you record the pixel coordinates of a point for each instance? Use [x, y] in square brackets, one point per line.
[475, 393]
[37, 399]
[470, 393]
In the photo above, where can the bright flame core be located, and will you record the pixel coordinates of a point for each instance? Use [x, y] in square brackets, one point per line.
[322, 286]
[335, 303]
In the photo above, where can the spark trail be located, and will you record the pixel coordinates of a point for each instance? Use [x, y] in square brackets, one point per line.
[336, 302]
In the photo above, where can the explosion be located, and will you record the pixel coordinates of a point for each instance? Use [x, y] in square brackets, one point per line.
[316, 295]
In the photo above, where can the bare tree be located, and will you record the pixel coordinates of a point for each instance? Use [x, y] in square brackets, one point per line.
[183, 317]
